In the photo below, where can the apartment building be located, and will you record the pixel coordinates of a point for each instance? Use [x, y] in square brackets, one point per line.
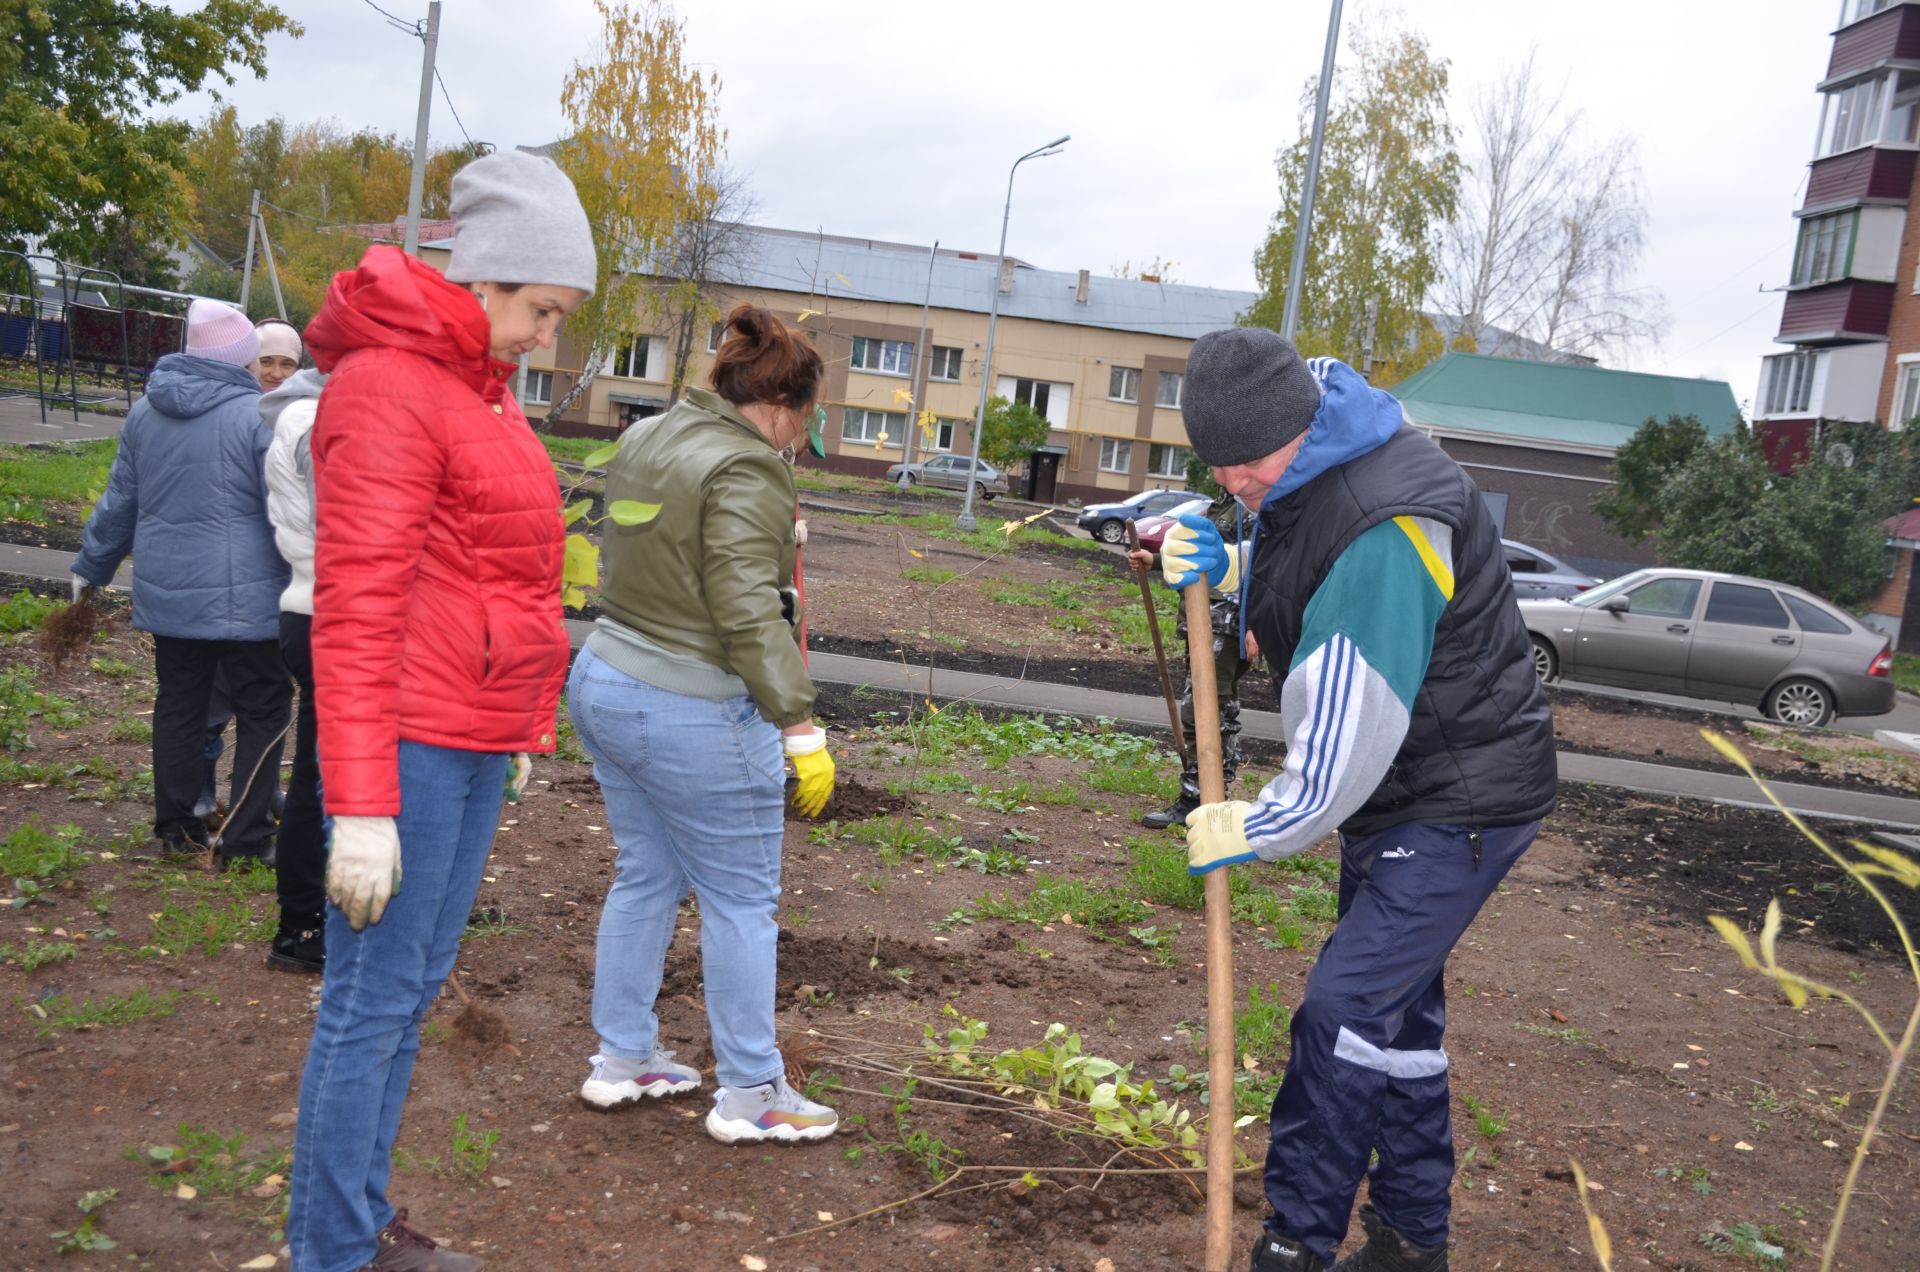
[1101, 358]
[1850, 318]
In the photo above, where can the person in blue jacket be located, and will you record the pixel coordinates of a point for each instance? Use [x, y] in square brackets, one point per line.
[187, 496]
[1374, 583]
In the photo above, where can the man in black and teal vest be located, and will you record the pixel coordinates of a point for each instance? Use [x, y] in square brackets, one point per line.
[1374, 583]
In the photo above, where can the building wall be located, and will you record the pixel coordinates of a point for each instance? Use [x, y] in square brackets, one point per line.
[1859, 174]
[1903, 326]
[1548, 501]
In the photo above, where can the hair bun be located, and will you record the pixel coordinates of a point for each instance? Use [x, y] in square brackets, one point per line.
[748, 320]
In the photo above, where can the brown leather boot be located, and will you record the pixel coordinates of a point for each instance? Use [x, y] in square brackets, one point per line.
[404, 1250]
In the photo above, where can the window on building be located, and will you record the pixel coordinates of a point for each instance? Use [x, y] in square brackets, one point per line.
[885, 357]
[1880, 108]
[945, 363]
[1787, 383]
[943, 434]
[1123, 384]
[1116, 455]
[1906, 396]
[714, 333]
[1825, 252]
[1033, 393]
[1746, 605]
[1171, 382]
[630, 359]
[1854, 10]
[539, 388]
[882, 428]
[1167, 461]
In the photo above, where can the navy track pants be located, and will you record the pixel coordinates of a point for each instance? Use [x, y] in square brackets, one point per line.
[1367, 1072]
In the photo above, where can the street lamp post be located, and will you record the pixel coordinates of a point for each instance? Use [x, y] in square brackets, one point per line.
[965, 520]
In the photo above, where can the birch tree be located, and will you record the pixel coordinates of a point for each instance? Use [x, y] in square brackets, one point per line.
[643, 149]
[1389, 184]
[709, 249]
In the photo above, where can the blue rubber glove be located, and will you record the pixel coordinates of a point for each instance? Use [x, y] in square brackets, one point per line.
[1193, 547]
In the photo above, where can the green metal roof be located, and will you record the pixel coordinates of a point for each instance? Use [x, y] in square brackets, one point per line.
[1557, 402]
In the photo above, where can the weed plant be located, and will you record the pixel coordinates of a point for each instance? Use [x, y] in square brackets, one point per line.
[61, 1012]
[38, 954]
[21, 704]
[34, 480]
[24, 611]
[1054, 900]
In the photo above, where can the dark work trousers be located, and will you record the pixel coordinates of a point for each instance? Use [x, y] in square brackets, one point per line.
[219, 716]
[1228, 667]
[261, 693]
[1367, 1072]
[301, 857]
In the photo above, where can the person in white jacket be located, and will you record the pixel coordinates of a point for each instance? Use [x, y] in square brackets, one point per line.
[300, 945]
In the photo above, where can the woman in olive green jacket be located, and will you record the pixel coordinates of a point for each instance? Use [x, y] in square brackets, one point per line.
[686, 695]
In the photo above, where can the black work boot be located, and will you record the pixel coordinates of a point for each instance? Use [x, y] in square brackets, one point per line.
[1278, 1252]
[1174, 814]
[300, 945]
[1387, 1251]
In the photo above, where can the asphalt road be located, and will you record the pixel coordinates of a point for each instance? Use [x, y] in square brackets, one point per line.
[1904, 718]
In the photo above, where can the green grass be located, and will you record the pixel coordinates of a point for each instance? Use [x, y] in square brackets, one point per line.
[35, 478]
[1158, 874]
[24, 611]
[33, 852]
[898, 838]
[21, 705]
[38, 954]
[941, 737]
[1260, 1028]
[572, 449]
[1095, 909]
[112, 668]
[204, 926]
[61, 1012]
[214, 1165]
[1070, 622]
[940, 781]
[933, 574]
[1008, 592]
[131, 729]
[1906, 672]
[492, 923]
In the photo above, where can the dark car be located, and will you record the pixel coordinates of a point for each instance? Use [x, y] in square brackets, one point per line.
[1537, 575]
[1107, 522]
[1720, 636]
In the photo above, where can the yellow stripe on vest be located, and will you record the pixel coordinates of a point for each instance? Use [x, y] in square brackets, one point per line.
[1442, 572]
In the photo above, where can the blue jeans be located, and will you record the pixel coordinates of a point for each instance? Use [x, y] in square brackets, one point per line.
[694, 790]
[379, 983]
[1367, 1071]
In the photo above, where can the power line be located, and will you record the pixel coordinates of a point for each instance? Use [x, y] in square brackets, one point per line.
[411, 28]
[448, 98]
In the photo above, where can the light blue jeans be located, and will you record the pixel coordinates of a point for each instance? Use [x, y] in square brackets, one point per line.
[379, 983]
[695, 792]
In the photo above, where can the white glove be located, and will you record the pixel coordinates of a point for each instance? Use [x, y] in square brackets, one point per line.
[363, 867]
[80, 587]
[517, 774]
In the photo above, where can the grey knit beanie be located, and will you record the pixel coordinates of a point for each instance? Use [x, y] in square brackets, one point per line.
[1248, 393]
[517, 219]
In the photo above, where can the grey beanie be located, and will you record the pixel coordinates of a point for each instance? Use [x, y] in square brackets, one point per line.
[517, 219]
[1248, 393]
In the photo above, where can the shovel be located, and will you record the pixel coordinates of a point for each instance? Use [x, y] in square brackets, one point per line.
[1220, 1058]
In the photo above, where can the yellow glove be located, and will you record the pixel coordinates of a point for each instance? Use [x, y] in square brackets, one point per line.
[814, 767]
[1193, 547]
[1217, 836]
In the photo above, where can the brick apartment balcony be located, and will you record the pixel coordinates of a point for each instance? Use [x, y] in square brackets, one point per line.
[1892, 35]
[1880, 175]
[1848, 310]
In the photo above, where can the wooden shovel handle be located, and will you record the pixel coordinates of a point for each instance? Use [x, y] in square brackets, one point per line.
[1220, 1057]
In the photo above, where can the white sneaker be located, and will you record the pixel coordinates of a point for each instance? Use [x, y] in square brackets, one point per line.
[772, 1111]
[616, 1082]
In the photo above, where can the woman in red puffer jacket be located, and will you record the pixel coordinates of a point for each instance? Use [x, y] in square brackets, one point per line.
[438, 652]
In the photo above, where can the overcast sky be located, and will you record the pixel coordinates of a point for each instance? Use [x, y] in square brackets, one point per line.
[898, 121]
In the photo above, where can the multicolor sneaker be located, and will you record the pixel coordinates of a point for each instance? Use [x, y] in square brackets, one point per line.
[616, 1082]
[771, 1111]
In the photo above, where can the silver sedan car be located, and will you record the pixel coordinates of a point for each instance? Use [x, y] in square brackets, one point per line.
[950, 471]
[1720, 636]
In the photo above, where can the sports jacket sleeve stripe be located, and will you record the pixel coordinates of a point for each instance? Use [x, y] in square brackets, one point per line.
[1366, 639]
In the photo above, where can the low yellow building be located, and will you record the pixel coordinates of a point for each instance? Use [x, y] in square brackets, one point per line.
[1101, 358]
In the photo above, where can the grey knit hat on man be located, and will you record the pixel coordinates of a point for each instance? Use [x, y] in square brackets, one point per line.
[1248, 393]
[517, 219]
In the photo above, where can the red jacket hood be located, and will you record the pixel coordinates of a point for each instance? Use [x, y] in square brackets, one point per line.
[393, 301]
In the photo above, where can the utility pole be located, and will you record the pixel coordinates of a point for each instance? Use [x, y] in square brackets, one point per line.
[246, 269]
[1303, 229]
[273, 269]
[922, 364]
[417, 187]
[1366, 339]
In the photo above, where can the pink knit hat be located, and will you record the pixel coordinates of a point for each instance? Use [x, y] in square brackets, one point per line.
[221, 332]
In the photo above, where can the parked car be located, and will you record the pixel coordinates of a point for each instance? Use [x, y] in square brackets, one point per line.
[1153, 530]
[1107, 522]
[950, 472]
[1720, 636]
[1537, 575]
